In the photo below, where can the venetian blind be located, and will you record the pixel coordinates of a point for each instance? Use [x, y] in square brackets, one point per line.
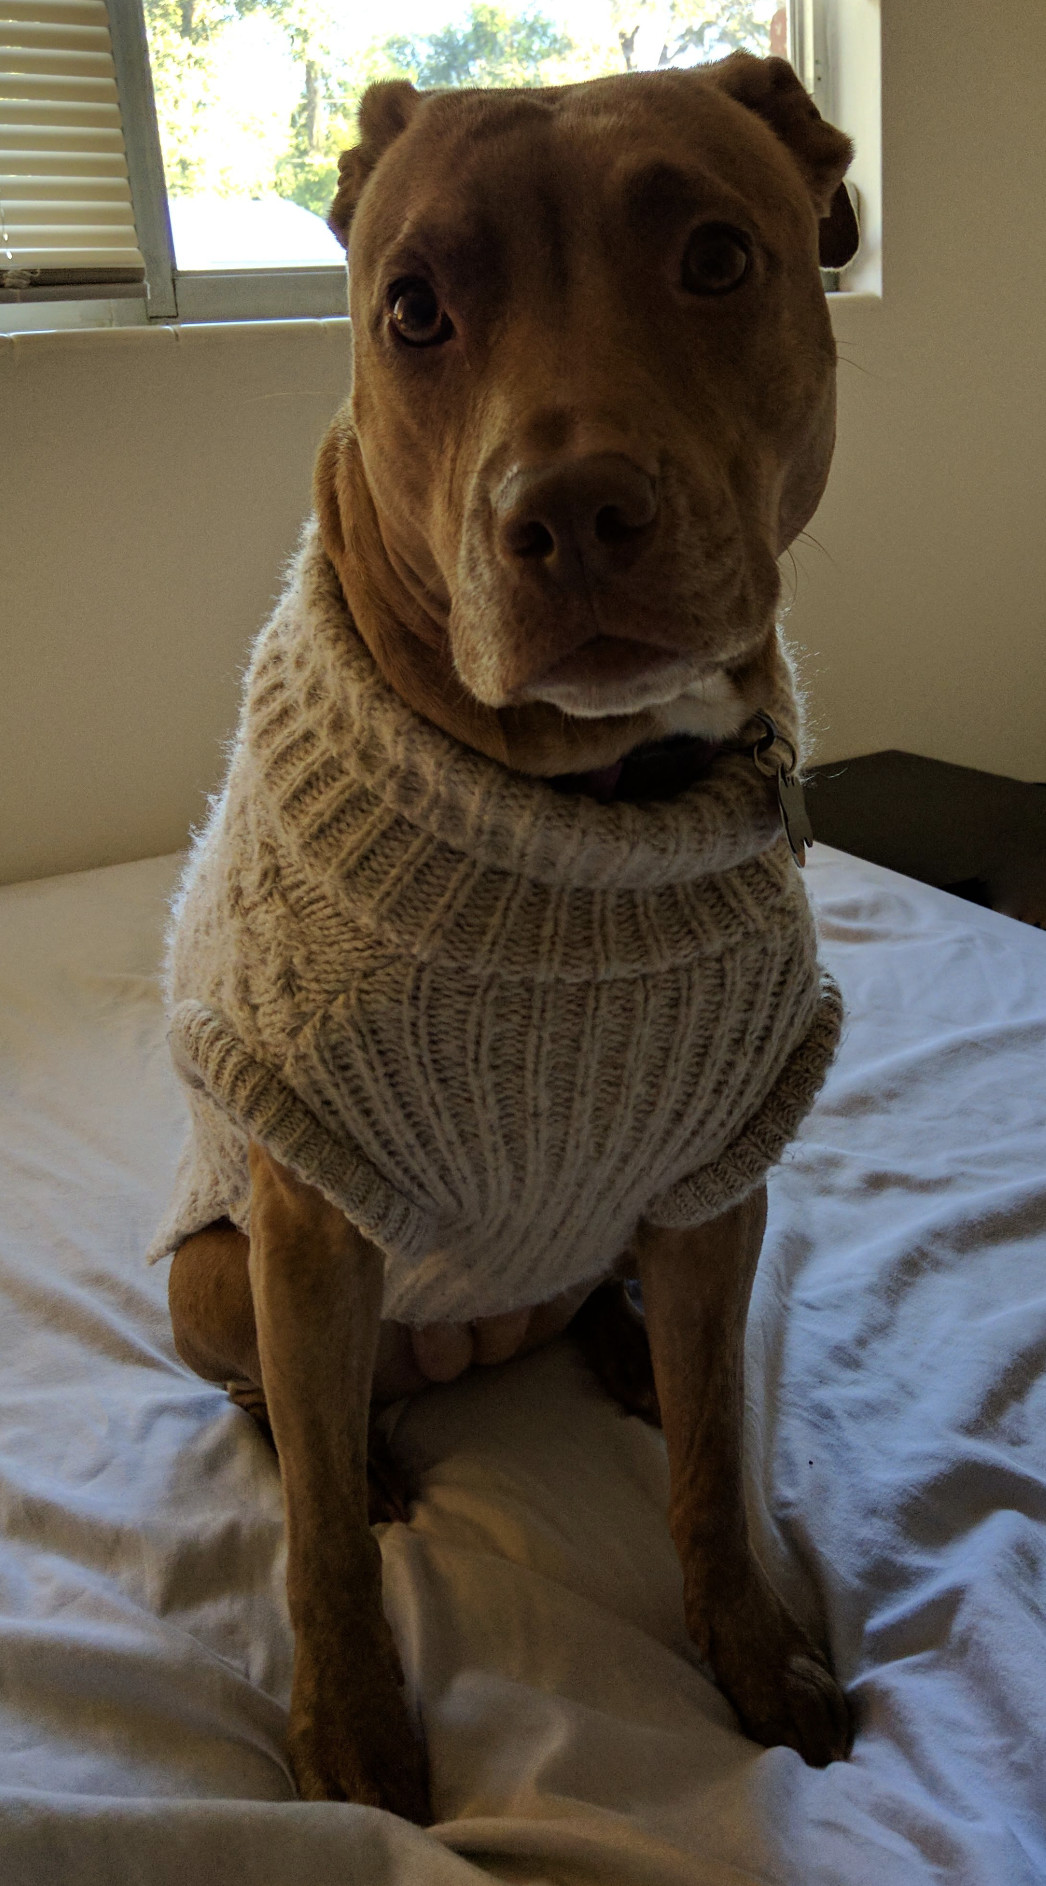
[66, 221]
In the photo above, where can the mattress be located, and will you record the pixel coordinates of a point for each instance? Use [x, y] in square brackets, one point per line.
[897, 1479]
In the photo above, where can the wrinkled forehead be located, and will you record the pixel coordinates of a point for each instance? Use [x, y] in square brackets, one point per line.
[476, 175]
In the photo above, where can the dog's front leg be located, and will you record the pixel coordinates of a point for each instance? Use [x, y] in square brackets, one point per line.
[317, 1288]
[696, 1288]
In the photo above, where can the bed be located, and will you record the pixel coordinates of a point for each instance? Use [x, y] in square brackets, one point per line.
[897, 1452]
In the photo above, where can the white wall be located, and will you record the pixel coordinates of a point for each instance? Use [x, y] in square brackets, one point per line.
[924, 616]
[158, 480]
[152, 482]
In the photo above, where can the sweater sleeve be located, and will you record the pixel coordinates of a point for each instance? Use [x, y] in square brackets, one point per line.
[744, 1163]
[235, 1087]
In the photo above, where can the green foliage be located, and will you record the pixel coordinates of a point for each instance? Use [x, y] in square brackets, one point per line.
[194, 21]
[734, 24]
[180, 36]
[213, 144]
[250, 147]
[208, 147]
[694, 31]
[307, 171]
[492, 47]
[310, 181]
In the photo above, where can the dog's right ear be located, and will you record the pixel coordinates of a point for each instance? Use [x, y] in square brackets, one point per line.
[386, 110]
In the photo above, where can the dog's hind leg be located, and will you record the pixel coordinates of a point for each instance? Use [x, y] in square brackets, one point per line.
[696, 1288]
[212, 1310]
[610, 1331]
[212, 1315]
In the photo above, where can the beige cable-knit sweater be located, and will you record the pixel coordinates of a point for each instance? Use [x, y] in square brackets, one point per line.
[494, 1024]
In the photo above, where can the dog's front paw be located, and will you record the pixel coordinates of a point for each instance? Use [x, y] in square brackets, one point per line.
[802, 1707]
[780, 1684]
[354, 1741]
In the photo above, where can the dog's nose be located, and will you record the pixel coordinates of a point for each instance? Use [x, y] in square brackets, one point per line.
[580, 522]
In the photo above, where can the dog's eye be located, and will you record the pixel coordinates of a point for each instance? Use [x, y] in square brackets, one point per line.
[416, 314]
[717, 259]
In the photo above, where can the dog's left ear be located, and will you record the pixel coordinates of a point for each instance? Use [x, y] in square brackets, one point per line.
[770, 88]
[385, 110]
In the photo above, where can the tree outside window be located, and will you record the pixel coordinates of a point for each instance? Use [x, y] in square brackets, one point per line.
[255, 98]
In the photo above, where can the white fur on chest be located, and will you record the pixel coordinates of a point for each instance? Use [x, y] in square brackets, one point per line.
[712, 708]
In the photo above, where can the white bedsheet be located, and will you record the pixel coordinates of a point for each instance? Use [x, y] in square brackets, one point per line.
[898, 1445]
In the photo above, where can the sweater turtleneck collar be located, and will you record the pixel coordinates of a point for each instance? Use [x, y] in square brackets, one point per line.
[326, 729]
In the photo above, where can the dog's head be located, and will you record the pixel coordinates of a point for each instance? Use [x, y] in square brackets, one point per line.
[594, 385]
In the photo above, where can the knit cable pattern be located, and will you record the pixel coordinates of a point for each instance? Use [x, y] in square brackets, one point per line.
[494, 1025]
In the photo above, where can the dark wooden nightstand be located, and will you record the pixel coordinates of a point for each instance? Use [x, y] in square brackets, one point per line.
[979, 835]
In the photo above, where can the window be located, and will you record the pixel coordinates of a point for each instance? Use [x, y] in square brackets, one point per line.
[234, 112]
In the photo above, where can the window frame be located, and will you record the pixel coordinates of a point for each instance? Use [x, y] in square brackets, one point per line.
[305, 292]
[134, 84]
[809, 42]
[302, 291]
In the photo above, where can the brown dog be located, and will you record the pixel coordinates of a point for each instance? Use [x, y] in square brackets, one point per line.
[593, 403]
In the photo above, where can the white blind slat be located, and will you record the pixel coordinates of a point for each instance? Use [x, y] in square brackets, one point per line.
[42, 189]
[60, 222]
[66, 214]
[50, 62]
[56, 14]
[74, 112]
[54, 218]
[85, 249]
[58, 88]
[74, 139]
[59, 41]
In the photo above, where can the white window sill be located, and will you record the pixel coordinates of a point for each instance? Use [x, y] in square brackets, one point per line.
[84, 316]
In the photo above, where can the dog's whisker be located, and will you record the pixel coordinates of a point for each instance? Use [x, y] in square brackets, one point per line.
[789, 553]
[807, 537]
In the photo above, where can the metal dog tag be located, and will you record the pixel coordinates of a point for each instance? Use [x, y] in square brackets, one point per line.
[770, 759]
[794, 815]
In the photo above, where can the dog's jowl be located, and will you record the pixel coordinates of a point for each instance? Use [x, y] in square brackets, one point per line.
[493, 982]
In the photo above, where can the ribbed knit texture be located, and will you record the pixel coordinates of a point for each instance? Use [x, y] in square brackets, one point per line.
[496, 1025]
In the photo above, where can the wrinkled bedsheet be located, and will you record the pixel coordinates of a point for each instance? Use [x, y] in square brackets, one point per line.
[897, 1414]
